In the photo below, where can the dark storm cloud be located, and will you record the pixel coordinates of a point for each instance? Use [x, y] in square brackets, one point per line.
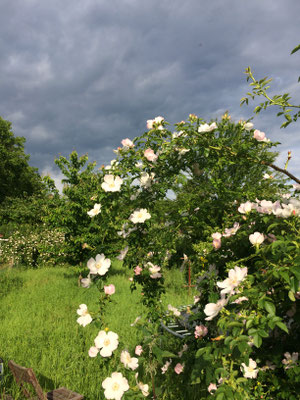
[84, 75]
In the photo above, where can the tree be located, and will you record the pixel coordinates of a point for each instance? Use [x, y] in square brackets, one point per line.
[27, 213]
[17, 177]
[69, 213]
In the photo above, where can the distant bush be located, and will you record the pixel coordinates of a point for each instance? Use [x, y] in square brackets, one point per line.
[34, 249]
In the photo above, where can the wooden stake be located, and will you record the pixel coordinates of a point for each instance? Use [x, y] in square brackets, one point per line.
[189, 286]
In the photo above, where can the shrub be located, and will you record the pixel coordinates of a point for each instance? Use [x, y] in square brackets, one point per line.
[34, 248]
[242, 242]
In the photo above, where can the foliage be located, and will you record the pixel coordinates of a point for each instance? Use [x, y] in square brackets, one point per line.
[230, 170]
[212, 169]
[266, 324]
[259, 89]
[69, 213]
[33, 248]
[17, 178]
[25, 213]
[16, 212]
[29, 241]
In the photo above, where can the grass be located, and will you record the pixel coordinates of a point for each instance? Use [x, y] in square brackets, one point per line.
[38, 326]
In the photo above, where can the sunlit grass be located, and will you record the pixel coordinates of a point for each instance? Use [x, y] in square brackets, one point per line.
[38, 326]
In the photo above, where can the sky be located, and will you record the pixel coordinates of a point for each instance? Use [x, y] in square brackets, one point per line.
[83, 75]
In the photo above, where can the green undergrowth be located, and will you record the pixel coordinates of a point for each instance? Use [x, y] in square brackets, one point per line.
[38, 326]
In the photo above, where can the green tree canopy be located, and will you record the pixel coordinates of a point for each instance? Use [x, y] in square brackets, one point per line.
[17, 178]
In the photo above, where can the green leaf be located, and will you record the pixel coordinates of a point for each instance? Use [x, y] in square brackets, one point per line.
[295, 49]
[241, 380]
[158, 353]
[285, 124]
[282, 326]
[242, 346]
[270, 227]
[166, 353]
[257, 340]
[295, 284]
[201, 351]
[249, 323]
[270, 308]
[219, 370]
[288, 117]
[285, 276]
[296, 272]
[263, 333]
[158, 390]
[242, 338]
[252, 331]
[227, 340]
[235, 324]
[291, 296]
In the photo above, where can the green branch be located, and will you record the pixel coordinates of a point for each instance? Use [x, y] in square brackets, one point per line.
[259, 89]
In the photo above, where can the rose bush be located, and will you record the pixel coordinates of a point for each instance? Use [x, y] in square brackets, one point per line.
[34, 247]
[239, 232]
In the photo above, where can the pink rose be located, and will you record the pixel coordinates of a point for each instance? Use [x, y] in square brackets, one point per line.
[216, 243]
[127, 143]
[93, 351]
[178, 368]
[158, 121]
[271, 238]
[150, 123]
[259, 136]
[150, 155]
[212, 387]
[200, 331]
[165, 367]
[138, 270]
[138, 350]
[217, 240]
[110, 289]
[240, 299]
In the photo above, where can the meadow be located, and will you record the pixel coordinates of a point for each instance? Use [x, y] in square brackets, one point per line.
[38, 326]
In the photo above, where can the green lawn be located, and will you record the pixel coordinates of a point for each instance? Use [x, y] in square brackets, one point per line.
[38, 326]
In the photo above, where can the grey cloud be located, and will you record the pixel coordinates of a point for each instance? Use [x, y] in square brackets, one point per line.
[85, 75]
